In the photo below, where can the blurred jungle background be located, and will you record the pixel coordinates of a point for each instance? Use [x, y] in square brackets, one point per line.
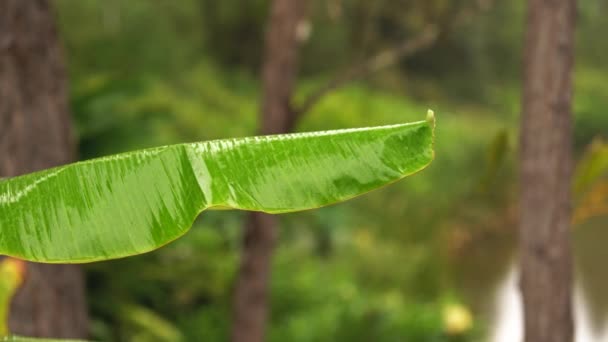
[422, 260]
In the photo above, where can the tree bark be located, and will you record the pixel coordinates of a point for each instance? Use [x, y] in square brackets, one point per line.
[35, 133]
[545, 171]
[278, 77]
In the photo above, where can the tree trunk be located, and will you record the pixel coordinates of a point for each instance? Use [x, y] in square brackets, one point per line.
[35, 133]
[278, 78]
[545, 172]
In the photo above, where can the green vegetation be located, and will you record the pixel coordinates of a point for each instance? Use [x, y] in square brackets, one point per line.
[30, 339]
[382, 267]
[132, 203]
[11, 276]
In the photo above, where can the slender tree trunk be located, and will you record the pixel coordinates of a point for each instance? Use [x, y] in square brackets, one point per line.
[545, 171]
[278, 76]
[35, 133]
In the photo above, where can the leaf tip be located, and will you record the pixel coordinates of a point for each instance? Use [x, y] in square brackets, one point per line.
[430, 117]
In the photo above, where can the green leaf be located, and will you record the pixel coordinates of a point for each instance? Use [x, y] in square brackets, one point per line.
[135, 202]
[152, 327]
[592, 167]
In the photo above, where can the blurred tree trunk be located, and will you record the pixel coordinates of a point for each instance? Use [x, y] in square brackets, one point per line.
[278, 77]
[545, 171]
[35, 133]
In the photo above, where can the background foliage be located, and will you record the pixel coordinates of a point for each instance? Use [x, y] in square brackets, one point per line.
[384, 267]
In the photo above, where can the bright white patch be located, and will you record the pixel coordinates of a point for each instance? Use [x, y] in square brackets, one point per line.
[508, 321]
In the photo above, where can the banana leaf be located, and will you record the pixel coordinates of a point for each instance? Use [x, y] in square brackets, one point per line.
[135, 202]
